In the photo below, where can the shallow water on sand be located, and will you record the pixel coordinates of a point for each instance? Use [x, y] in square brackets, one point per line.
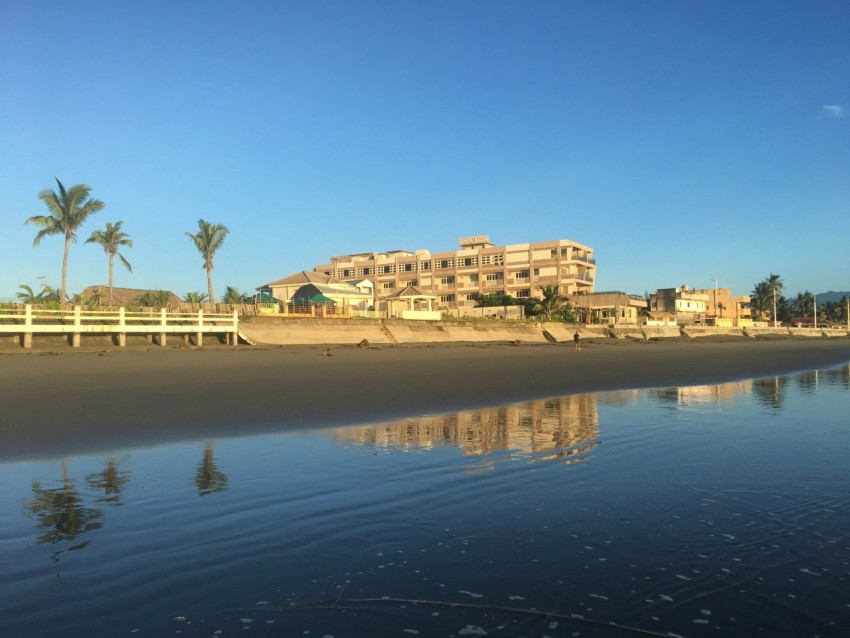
[709, 510]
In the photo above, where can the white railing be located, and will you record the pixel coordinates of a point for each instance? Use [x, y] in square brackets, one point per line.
[27, 322]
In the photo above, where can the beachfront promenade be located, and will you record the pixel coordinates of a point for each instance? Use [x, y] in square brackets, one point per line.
[155, 325]
[19, 326]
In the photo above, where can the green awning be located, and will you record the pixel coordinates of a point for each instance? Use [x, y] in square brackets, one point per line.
[316, 298]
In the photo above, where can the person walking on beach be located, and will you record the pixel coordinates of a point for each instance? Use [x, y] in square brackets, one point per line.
[576, 338]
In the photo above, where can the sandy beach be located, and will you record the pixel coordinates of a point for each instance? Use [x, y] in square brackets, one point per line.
[56, 403]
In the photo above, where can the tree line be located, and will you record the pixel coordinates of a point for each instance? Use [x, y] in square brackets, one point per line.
[768, 302]
[69, 208]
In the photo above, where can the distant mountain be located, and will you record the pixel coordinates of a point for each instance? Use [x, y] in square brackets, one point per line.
[823, 297]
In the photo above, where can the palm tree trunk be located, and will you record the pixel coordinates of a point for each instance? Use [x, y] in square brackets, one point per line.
[209, 285]
[110, 279]
[64, 287]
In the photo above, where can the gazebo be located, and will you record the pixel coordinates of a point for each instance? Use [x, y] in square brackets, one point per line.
[413, 300]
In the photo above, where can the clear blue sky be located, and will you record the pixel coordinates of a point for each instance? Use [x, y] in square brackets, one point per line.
[683, 141]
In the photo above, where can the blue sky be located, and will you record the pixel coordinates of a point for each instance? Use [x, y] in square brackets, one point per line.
[684, 141]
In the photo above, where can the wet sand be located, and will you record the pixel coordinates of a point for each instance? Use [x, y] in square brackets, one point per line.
[60, 403]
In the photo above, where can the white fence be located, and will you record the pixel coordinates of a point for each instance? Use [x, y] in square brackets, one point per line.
[156, 325]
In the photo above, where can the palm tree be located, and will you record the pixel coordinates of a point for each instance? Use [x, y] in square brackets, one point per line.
[195, 297]
[155, 299]
[775, 285]
[233, 296]
[28, 295]
[208, 240]
[69, 209]
[552, 301]
[803, 303]
[112, 238]
[761, 299]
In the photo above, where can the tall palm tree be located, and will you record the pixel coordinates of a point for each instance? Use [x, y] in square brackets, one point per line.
[775, 285]
[208, 240]
[761, 299]
[111, 239]
[68, 210]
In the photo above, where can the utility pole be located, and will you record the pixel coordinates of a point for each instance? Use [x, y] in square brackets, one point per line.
[774, 306]
[715, 301]
[815, 305]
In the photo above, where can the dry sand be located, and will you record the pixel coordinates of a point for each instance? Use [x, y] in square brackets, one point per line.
[52, 404]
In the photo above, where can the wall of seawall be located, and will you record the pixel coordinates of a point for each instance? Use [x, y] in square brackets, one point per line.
[662, 332]
[463, 331]
[628, 332]
[805, 332]
[565, 331]
[292, 331]
[712, 331]
[754, 331]
[285, 331]
[835, 332]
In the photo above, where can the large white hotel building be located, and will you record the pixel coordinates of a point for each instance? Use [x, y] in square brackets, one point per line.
[456, 278]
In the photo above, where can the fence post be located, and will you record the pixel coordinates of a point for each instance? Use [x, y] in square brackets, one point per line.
[26, 338]
[75, 336]
[234, 336]
[122, 333]
[162, 323]
[199, 336]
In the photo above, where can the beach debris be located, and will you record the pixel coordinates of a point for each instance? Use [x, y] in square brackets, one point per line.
[516, 342]
[364, 343]
[326, 353]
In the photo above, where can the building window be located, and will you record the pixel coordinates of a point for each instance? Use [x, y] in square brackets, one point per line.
[359, 272]
[388, 285]
[447, 298]
[473, 279]
[523, 294]
[386, 269]
[408, 267]
[445, 263]
[425, 265]
[468, 261]
[472, 297]
[495, 276]
[347, 272]
[445, 281]
[369, 271]
[521, 274]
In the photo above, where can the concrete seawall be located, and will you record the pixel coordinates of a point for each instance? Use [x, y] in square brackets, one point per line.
[286, 331]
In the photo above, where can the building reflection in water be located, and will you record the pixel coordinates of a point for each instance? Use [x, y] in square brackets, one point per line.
[562, 428]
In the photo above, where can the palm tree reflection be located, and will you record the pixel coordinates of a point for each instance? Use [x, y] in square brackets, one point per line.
[208, 478]
[111, 480]
[61, 512]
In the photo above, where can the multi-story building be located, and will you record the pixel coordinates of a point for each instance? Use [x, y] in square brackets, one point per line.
[457, 278]
[725, 309]
[688, 306]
